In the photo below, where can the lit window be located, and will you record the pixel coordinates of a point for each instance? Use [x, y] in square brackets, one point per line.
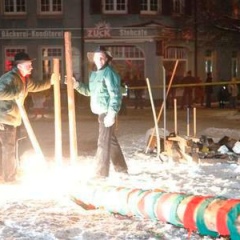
[47, 56]
[129, 62]
[178, 6]
[123, 52]
[175, 53]
[115, 6]
[14, 7]
[150, 6]
[9, 54]
[50, 6]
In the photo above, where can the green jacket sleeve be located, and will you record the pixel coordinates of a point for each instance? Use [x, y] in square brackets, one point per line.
[83, 88]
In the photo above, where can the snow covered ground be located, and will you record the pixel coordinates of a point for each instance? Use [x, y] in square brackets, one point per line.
[39, 207]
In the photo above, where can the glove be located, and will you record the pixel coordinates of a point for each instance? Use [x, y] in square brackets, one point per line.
[74, 82]
[109, 120]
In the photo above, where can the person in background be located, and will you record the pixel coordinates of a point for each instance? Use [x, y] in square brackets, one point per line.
[199, 93]
[233, 93]
[208, 90]
[104, 89]
[223, 96]
[124, 90]
[14, 86]
[139, 93]
[187, 98]
[125, 93]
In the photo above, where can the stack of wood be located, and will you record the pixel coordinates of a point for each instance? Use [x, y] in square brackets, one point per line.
[226, 148]
[195, 150]
[182, 148]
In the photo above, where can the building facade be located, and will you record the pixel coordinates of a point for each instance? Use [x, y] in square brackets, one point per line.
[146, 37]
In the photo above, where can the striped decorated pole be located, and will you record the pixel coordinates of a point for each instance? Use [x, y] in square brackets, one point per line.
[207, 215]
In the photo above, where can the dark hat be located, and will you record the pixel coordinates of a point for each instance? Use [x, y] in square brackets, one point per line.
[100, 49]
[22, 57]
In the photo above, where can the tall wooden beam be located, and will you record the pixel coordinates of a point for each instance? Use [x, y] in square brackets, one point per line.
[57, 112]
[71, 99]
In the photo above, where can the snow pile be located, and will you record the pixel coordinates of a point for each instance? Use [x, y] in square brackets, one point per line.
[43, 209]
[39, 206]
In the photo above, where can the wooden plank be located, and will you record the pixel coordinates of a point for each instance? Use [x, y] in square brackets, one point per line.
[30, 131]
[57, 112]
[71, 99]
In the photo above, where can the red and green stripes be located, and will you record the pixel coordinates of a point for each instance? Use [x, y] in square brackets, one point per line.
[206, 215]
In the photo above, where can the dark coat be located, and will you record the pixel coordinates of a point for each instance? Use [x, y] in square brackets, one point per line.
[12, 87]
[209, 88]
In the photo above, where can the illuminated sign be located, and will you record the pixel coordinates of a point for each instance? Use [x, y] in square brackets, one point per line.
[11, 34]
[102, 30]
[133, 32]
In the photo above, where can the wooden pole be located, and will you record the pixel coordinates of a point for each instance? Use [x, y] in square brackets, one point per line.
[154, 117]
[194, 123]
[169, 87]
[57, 112]
[175, 117]
[30, 131]
[212, 216]
[188, 122]
[71, 99]
[161, 109]
[164, 110]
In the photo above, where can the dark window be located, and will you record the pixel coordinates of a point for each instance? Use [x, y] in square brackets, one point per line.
[14, 6]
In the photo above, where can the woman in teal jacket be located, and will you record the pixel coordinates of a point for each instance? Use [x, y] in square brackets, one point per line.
[105, 99]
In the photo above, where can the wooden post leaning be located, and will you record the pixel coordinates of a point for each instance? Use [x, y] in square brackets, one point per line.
[154, 117]
[30, 131]
[161, 109]
[71, 99]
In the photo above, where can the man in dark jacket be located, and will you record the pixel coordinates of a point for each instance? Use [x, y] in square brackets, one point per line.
[209, 90]
[105, 94]
[14, 85]
[187, 98]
